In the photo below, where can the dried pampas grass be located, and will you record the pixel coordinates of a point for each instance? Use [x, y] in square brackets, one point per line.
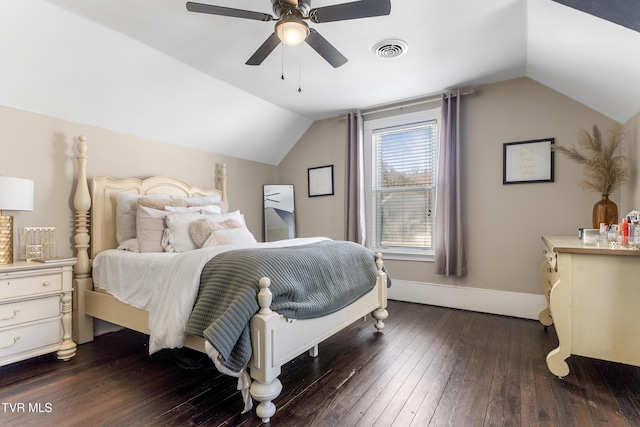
[604, 171]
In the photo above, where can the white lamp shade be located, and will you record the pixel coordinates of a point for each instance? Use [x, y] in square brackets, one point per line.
[16, 194]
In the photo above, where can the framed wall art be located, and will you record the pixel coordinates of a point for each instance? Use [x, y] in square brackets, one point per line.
[320, 181]
[527, 161]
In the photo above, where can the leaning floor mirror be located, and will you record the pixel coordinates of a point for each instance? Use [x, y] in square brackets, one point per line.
[279, 213]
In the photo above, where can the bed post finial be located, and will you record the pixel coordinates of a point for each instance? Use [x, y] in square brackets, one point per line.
[82, 325]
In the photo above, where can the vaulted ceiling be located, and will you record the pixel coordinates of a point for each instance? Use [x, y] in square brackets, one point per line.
[151, 68]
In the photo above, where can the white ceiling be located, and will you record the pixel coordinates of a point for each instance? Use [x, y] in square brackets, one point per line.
[151, 68]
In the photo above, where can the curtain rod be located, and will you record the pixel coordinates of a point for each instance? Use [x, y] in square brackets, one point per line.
[417, 102]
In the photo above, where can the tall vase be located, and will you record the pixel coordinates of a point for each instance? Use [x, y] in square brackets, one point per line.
[605, 211]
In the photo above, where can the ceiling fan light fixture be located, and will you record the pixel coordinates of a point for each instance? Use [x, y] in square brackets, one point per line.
[292, 31]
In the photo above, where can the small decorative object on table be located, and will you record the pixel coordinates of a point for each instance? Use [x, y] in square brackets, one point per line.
[604, 171]
[40, 243]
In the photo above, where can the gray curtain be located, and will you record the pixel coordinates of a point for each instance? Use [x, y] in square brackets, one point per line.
[449, 255]
[354, 228]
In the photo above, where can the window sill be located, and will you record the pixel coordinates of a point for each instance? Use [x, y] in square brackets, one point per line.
[405, 256]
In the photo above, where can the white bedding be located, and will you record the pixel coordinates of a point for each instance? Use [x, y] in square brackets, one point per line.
[164, 284]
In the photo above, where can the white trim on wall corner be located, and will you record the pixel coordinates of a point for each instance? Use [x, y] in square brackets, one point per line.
[516, 304]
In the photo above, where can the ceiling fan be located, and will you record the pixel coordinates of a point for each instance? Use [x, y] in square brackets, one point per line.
[290, 27]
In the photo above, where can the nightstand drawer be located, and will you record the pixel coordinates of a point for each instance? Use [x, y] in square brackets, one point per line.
[17, 312]
[30, 336]
[16, 286]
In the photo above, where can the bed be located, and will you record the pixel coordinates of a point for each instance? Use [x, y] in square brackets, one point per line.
[274, 339]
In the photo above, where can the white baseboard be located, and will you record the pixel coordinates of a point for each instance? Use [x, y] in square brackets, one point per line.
[516, 304]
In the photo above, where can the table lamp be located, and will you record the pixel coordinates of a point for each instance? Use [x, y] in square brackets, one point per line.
[16, 194]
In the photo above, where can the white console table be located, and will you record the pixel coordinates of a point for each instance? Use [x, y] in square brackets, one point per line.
[593, 299]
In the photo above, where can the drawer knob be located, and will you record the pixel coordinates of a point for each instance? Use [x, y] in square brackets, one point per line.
[11, 316]
[47, 283]
[15, 340]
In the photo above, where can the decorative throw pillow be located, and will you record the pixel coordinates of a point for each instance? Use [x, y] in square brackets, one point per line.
[149, 229]
[151, 213]
[201, 229]
[176, 236]
[201, 209]
[155, 203]
[126, 210]
[176, 203]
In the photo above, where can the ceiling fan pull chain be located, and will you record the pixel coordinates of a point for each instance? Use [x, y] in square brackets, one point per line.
[299, 76]
[282, 63]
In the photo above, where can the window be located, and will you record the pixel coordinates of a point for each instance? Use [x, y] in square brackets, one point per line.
[401, 177]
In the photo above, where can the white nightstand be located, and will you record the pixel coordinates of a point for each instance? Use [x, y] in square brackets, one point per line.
[35, 310]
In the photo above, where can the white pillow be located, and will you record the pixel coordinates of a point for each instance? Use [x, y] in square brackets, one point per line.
[126, 210]
[176, 237]
[203, 200]
[229, 215]
[130, 245]
[230, 236]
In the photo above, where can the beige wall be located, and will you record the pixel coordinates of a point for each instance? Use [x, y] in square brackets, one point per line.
[43, 149]
[323, 144]
[504, 222]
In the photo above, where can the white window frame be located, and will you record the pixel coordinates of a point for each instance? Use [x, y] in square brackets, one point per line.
[370, 126]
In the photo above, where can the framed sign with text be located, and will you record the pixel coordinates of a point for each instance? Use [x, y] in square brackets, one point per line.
[527, 161]
[320, 181]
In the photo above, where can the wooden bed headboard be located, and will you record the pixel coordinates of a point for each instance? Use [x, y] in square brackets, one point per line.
[103, 203]
[96, 207]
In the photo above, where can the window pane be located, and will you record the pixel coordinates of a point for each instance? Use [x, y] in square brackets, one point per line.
[404, 179]
[405, 219]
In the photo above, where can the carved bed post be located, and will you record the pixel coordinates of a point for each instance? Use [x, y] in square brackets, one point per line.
[380, 314]
[265, 362]
[222, 184]
[82, 325]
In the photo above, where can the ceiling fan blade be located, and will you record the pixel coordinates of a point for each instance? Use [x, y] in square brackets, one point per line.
[264, 50]
[227, 11]
[325, 49]
[353, 10]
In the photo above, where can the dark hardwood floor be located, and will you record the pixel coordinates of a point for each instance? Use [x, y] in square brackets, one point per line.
[432, 366]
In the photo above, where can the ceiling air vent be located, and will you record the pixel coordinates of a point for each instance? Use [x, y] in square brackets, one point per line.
[390, 48]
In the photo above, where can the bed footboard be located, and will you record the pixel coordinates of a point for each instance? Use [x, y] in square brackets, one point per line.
[275, 341]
